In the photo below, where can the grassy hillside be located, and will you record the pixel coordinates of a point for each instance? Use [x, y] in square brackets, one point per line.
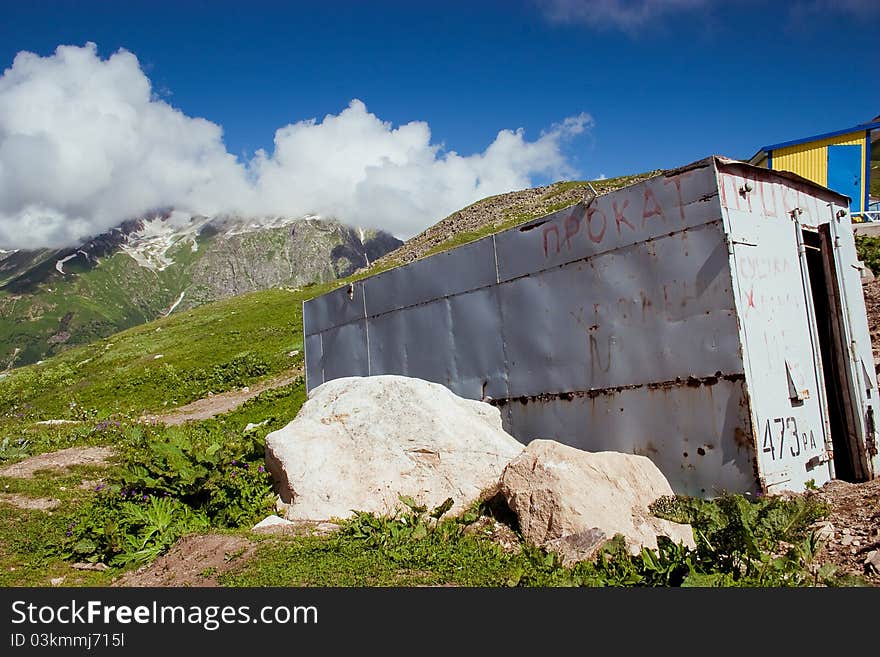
[44, 311]
[84, 305]
[166, 482]
[165, 363]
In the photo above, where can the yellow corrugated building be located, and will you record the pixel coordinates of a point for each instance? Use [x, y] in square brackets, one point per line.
[839, 160]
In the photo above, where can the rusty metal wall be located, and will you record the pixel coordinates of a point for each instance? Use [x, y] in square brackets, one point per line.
[622, 324]
[625, 303]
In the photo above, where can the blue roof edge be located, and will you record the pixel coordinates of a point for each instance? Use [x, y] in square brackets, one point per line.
[862, 127]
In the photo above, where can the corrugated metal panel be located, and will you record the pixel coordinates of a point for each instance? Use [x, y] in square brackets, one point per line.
[646, 321]
[340, 306]
[469, 267]
[344, 351]
[698, 435]
[656, 207]
[621, 318]
[314, 361]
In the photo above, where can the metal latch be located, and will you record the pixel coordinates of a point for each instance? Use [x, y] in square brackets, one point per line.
[818, 460]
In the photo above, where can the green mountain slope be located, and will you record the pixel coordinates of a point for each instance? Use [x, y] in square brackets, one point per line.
[164, 363]
[52, 300]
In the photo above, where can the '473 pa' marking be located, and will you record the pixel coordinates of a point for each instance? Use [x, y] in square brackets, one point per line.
[787, 434]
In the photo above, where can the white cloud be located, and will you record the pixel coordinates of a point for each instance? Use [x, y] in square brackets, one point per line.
[85, 143]
[621, 14]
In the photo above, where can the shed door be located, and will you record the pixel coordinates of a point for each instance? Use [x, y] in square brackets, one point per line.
[785, 378]
[845, 173]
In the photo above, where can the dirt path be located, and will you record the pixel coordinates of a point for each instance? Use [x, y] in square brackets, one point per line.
[58, 461]
[195, 560]
[208, 407]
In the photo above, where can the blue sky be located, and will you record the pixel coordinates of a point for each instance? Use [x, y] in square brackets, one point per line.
[664, 83]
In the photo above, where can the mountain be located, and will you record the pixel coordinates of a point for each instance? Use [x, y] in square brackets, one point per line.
[147, 268]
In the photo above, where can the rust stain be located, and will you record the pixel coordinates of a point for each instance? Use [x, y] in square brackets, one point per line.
[647, 450]
[741, 438]
[691, 382]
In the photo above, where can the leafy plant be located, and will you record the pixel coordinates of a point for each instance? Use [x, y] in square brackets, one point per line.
[11, 450]
[121, 527]
[868, 251]
[240, 494]
[763, 542]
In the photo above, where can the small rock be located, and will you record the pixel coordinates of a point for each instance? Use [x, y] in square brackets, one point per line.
[872, 561]
[56, 581]
[495, 531]
[325, 528]
[856, 542]
[246, 389]
[277, 525]
[158, 356]
[824, 530]
[251, 426]
[846, 530]
[90, 566]
[271, 525]
[293, 353]
[210, 394]
[846, 540]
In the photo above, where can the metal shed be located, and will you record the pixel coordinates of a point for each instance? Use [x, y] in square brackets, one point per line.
[710, 318]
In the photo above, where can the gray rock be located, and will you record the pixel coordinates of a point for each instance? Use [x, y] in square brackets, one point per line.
[278, 525]
[571, 502]
[872, 561]
[90, 566]
[824, 530]
[359, 443]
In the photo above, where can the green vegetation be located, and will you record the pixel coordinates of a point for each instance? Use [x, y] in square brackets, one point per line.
[868, 251]
[166, 363]
[739, 543]
[166, 482]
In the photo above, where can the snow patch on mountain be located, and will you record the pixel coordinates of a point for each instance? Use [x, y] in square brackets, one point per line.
[59, 265]
[242, 226]
[150, 244]
[174, 305]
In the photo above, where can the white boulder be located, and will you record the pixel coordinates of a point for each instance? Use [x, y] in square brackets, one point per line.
[571, 502]
[359, 443]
